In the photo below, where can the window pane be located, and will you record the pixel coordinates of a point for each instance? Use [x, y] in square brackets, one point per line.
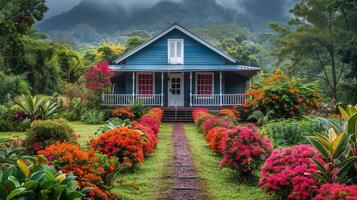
[179, 46]
[172, 49]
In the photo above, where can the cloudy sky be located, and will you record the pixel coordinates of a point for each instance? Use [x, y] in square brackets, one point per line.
[58, 6]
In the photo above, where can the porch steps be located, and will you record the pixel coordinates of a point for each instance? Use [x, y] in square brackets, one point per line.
[177, 115]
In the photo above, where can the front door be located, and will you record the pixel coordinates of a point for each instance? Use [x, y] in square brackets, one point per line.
[176, 89]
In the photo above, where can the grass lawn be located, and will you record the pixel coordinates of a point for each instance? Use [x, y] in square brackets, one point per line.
[154, 178]
[84, 130]
[222, 184]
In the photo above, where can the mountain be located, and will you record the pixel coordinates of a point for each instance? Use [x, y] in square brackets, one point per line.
[92, 20]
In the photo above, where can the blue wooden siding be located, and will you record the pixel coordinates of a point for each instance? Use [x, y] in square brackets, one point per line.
[194, 52]
[234, 83]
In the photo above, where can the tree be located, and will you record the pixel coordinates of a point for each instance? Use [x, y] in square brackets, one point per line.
[109, 52]
[133, 41]
[16, 19]
[244, 51]
[314, 34]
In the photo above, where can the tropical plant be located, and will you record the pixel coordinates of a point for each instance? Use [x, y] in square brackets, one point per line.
[93, 117]
[260, 117]
[9, 152]
[38, 107]
[334, 145]
[30, 179]
[138, 108]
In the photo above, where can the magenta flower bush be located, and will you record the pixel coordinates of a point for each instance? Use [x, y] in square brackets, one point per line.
[244, 150]
[288, 173]
[337, 192]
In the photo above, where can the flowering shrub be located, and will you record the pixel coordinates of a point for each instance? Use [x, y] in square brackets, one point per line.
[123, 113]
[214, 137]
[337, 192]
[93, 170]
[285, 97]
[198, 111]
[214, 121]
[124, 143]
[97, 80]
[153, 119]
[288, 173]
[150, 122]
[244, 150]
[150, 138]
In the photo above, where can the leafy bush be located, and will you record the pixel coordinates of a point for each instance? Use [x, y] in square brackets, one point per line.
[337, 192]
[289, 132]
[138, 108]
[283, 96]
[93, 117]
[93, 170]
[244, 150]
[32, 180]
[11, 86]
[123, 113]
[152, 119]
[124, 143]
[232, 113]
[288, 173]
[214, 138]
[41, 134]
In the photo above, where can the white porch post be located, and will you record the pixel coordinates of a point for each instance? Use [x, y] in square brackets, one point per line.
[220, 89]
[162, 88]
[190, 89]
[133, 86]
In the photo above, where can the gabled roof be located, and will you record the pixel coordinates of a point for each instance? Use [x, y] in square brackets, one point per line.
[183, 30]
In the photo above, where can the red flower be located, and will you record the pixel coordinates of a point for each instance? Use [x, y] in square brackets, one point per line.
[337, 192]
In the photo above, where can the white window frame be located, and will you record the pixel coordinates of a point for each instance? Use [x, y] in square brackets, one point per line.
[137, 84]
[196, 85]
[182, 51]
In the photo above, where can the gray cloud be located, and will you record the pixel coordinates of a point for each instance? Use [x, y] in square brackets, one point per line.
[266, 7]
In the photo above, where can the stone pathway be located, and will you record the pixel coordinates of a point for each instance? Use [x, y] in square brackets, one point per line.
[186, 184]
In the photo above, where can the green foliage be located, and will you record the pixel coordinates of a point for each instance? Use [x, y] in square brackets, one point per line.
[41, 134]
[260, 117]
[134, 41]
[288, 132]
[29, 179]
[9, 152]
[75, 110]
[38, 107]
[93, 117]
[337, 145]
[10, 86]
[138, 108]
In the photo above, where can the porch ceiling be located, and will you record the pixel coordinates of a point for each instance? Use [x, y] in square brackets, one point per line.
[182, 68]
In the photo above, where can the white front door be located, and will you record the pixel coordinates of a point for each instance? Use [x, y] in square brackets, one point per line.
[176, 89]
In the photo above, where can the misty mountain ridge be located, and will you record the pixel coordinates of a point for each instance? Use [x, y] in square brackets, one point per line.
[91, 20]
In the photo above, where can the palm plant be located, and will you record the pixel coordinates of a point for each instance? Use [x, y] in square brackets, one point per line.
[338, 148]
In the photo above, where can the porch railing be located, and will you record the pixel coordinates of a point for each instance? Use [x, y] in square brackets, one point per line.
[128, 99]
[217, 99]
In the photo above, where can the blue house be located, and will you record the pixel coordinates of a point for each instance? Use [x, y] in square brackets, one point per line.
[178, 69]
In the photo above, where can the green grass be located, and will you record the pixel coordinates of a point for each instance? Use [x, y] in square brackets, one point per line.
[220, 184]
[84, 130]
[154, 178]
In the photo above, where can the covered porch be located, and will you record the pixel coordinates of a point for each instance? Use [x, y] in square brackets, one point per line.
[175, 86]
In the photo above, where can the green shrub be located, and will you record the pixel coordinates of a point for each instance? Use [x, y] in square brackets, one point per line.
[291, 131]
[93, 117]
[138, 108]
[41, 134]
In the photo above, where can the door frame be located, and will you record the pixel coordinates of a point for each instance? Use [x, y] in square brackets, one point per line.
[176, 103]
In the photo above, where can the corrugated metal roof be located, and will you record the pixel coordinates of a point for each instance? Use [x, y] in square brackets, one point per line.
[181, 68]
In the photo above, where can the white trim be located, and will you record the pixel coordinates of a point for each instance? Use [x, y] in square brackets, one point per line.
[196, 85]
[178, 27]
[191, 89]
[137, 81]
[162, 88]
[182, 88]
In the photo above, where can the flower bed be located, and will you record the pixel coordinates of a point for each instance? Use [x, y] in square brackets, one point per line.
[288, 173]
[243, 149]
[337, 192]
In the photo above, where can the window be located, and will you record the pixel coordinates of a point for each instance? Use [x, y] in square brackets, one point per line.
[145, 83]
[175, 51]
[204, 84]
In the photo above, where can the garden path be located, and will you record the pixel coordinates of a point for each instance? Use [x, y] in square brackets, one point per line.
[186, 184]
